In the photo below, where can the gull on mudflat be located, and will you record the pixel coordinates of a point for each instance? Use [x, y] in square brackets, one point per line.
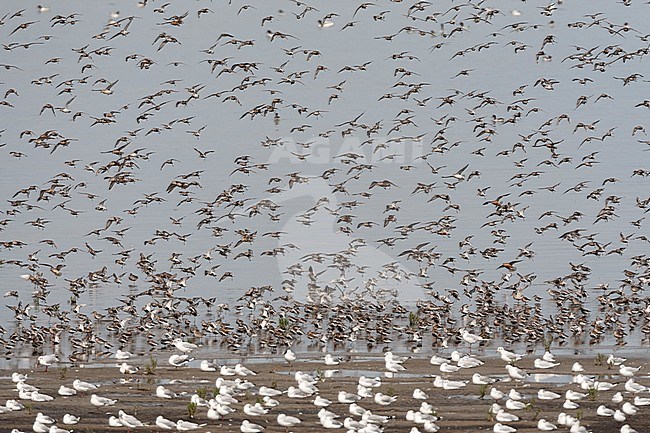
[57, 429]
[629, 409]
[213, 414]
[128, 369]
[270, 402]
[249, 427]
[426, 408]
[182, 425]
[70, 419]
[632, 386]
[614, 360]
[347, 398]
[293, 392]
[164, 423]
[268, 391]
[508, 356]
[390, 356]
[44, 419]
[14, 405]
[243, 371]
[478, 379]
[544, 425]
[369, 417]
[364, 392]
[129, 421]
[40, 397]
[394, 366]
[543, 364]
[65, 391]
[470, 338]
[627, 371]
[515, 404]
[468, 361]
[321, 401]
[570, 405]
[198, 400]
[162, 392]
[496, 394]
[617, 398]
[370, 382]
[419, 394]
[47, 360]
[287, 421]
[352, 424]
[603, 386]
[328, 422]
[329, 360]
[289, 356]
[114, 421]
[502, 428]
[383, 399]
[356, 410]
[40, 427]
[82, 386]
[98, 401]
[543, 394]
[179, 360]
[255, 410]
[503, 416]
[603, 410]
[18, 377]
[548, 356]
[207, 366]
[25, 387]
[641, 401]
[516, 372]
[225, 399]
[184, 346]
[430, 427]
[448, 368]
[577, 367]
[437, 360]
[123, 354]
[574, 395]
[224, 370]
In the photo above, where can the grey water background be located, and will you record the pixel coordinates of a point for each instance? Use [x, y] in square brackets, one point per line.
[497, 71]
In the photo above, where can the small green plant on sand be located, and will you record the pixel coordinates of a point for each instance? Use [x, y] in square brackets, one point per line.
[531, 405]
[593, 393]
[579, 414]
[600, 359]
[191, 409]
[390, 391]
[28, 407]
[63, 371]
[150, 367]
[283, 323]
[483, 390]
[202, 392]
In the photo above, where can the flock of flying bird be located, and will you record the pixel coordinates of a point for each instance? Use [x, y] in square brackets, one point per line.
[122, 124]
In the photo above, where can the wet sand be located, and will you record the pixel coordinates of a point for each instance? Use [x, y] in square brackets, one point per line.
[459, 410]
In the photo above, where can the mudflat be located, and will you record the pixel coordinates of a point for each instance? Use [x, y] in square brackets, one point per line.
[469, 408]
